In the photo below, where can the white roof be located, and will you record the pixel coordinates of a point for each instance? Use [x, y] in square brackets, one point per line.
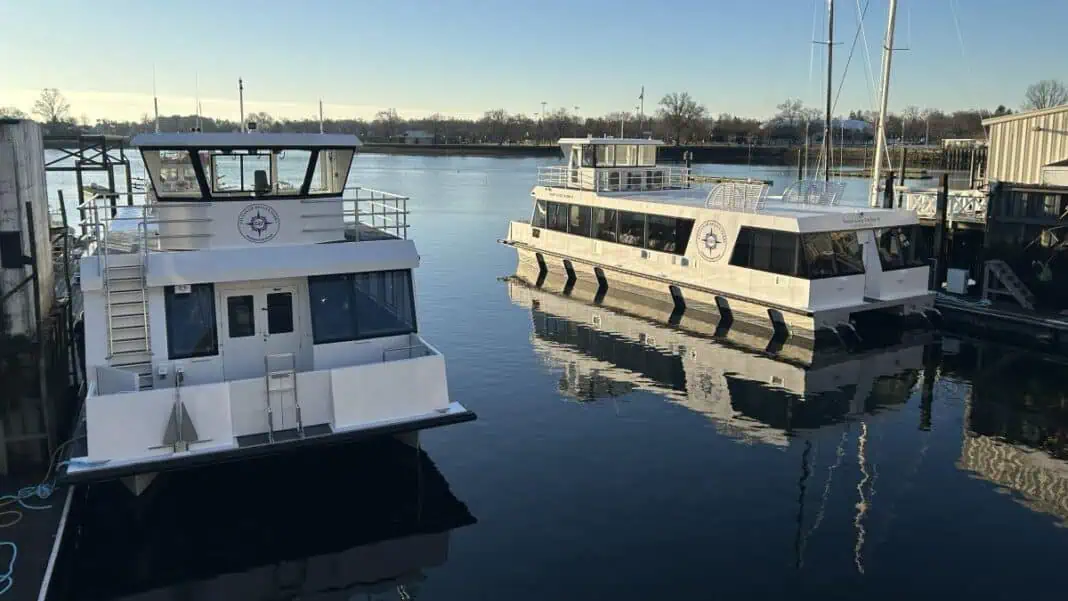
[605, 141]
[240, 140]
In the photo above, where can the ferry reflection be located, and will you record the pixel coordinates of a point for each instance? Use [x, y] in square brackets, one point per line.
[1016, 421]
[359, 520]
[620, 344]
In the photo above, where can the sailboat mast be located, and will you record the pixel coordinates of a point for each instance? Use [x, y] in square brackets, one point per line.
[827, 116]
[884, 94]
[241, 102]
[155, 98]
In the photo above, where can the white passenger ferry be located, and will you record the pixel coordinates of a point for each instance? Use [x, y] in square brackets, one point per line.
[793, 265]
[258, 307]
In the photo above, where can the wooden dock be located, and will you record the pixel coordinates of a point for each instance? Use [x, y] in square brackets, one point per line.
[1004, 323]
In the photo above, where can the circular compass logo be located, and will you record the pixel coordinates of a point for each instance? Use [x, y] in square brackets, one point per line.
[258, 223]
[711, 240]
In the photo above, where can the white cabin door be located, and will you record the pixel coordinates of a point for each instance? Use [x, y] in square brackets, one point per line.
[281, 335]
[243, 343]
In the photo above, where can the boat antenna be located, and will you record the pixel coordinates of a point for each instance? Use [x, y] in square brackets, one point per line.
[884, 91]
[320, 115]
[155, 98]
[241, 102]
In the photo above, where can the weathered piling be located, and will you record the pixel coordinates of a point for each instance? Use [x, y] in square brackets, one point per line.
[938, 274]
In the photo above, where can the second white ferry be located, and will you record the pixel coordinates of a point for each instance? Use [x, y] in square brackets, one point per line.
[794, 265]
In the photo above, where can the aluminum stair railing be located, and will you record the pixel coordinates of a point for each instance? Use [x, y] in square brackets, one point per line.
[998, 271]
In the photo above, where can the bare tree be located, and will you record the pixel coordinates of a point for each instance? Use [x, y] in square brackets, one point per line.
[1045, 94]
[388, 120]
[10, 112]
[791, 111]
[910, 115]
[681, 114]
[496, 122]
[51, 107]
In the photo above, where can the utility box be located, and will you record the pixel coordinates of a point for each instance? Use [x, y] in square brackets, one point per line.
[957, 281]
[22, 180]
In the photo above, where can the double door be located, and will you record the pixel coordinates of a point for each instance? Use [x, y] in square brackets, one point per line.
[261, 339]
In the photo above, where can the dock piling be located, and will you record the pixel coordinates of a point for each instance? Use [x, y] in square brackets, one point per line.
[939, 247]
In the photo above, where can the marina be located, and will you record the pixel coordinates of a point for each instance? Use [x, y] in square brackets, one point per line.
[381, 328]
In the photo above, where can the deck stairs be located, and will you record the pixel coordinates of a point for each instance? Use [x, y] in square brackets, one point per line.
[126, 304]
[1000, 280]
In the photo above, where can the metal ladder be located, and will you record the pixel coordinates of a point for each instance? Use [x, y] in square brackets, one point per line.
[280, 383]
[998, 270]
[126, 308]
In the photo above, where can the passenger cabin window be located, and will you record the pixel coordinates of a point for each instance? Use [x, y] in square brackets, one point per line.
[538, 220]
[810, 256]
[190, 321]
[898, 248]
[652, 232]
[355, 306]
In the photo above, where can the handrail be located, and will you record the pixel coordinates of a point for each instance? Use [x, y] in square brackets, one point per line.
[616, 179]
[963, 205]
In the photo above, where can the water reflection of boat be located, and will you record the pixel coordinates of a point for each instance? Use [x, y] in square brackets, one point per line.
[614, 347]
[282, 527]
[1016, 428]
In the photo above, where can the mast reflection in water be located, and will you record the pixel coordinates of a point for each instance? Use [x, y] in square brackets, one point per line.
[333, 523]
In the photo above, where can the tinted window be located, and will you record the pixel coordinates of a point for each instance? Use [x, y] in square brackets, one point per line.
[766, 250]
[831, 254]
[579, 220]
[240, 316]
[632, 228]
[279, 313]
[668, 234]
[897, 248]
[604, 224]
[556, 216]
[361, 305]
[191, 322]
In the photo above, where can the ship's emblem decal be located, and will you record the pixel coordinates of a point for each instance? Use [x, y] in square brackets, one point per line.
[711, 240]
[258, 223]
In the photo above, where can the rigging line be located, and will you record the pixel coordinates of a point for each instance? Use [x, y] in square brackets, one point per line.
[812, 46]
[870, 80]
[956, 25]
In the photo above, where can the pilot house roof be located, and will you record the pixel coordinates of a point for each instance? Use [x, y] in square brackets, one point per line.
[171, 141]
[609, 141]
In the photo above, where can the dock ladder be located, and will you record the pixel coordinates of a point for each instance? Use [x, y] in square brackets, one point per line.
[998, 271]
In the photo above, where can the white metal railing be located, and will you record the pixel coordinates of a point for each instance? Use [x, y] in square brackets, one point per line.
[963, 205]
[381, 211]
[619, 179]
[738, 196]
[814, 192]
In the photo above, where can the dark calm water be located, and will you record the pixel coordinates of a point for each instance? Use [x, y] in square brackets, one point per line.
[615, 457]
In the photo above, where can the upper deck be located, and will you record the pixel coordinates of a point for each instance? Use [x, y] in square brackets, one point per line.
[622, 173]
[225, 190]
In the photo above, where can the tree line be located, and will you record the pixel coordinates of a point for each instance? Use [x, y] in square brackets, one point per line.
[678, 119]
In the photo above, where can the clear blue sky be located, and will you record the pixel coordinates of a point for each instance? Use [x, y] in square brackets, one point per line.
[463, 57]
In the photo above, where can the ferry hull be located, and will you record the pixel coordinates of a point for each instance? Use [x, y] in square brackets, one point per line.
[805, 328]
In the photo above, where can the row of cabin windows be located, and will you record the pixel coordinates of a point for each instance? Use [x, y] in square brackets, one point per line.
[344, 307]
[810, 256]
[652, 232]
[617, 155]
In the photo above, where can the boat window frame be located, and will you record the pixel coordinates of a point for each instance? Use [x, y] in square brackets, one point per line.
[356, 335]
[150, 158]
[910, 260]
[745, 248]
[168, 302]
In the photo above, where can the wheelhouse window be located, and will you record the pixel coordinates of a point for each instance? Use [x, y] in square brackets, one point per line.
[604, 224]
[241, 172]
[172, 173]
[580, 220]
[538, 220]
[557, 216]
[191, 328]
[647, 155]
[832, 254]
[356, 306]
[632, 229]
[898, 248]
